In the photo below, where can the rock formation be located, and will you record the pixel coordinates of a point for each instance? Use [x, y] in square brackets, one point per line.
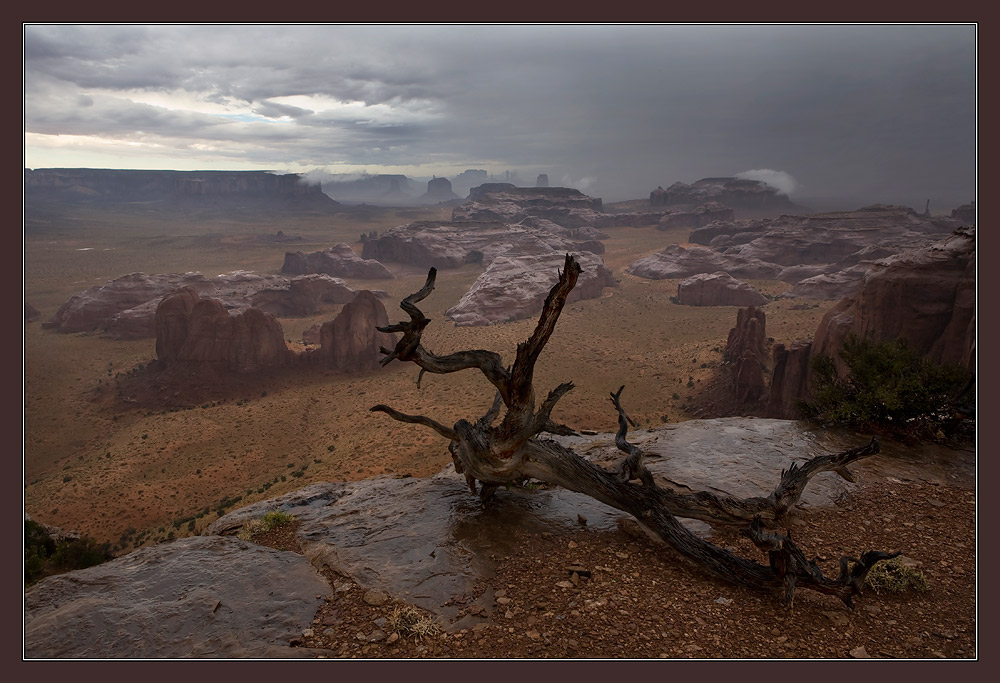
[511, 204]
[248, 188]
[926, 296]
[514, 287]
[193, 330]
[658, 197]
[450, 244]
[438, 190]
[695, 218]
[824, 255]
[198, 597]
[338, 261]
[733, 192]
[789, 378]
[31, 314]
[350, 342]
[302, 296]
[717, 289]
[965, 214]
[542, 180]
[677, 262]
[125, 307]
[746, 354]
[385, 189]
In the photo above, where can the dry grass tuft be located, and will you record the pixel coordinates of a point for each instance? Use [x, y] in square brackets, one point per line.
[407, 620]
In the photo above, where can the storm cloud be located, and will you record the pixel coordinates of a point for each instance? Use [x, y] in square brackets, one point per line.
[866, 112]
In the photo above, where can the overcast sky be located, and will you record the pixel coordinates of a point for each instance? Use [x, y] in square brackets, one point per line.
[881, 113]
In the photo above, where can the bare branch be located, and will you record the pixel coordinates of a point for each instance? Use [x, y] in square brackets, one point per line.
[446, 432]
[632, 466]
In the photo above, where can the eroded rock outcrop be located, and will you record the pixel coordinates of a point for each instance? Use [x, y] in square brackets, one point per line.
[450, 244]
[350, 342]
[243, 188]
[717, 289]
[695, 218]
[438, 190]
[733, 192]
[204, 597]
[125, 307]
[789, 378]
[190, 329]
[824, 255]
[746, 354]
[337, 261]
[679, 262]
[302, 296]
[925, 296]
[508, 203]
[514, 287]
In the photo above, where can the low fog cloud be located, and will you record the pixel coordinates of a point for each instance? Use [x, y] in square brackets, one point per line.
[781, 181]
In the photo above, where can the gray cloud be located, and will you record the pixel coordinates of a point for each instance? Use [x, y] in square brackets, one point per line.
[877, 113]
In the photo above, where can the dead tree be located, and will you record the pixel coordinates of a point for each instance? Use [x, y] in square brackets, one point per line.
[494, 454]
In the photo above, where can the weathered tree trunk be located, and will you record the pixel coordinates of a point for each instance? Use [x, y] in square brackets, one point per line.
[496, 454]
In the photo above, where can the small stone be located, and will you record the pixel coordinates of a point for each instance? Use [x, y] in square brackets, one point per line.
[481, 626]
[501, 593]
[376, 598]
[392, 638]
[534, 635]
[503, 601]
[564, 584]
[308, 633]
[375, 636]
[860, 653]
[723, 601]
[581, 519]
[572, 544]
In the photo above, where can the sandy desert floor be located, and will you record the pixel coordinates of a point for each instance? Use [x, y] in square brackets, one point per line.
[139, 470]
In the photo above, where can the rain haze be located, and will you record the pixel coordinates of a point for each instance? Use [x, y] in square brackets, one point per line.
[830, 114]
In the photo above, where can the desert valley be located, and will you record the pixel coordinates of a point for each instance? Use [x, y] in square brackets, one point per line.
[197, 345]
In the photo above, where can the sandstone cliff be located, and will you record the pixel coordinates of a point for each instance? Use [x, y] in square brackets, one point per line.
[926, 296]
[190, 329]
[350, 342]
[114, 185]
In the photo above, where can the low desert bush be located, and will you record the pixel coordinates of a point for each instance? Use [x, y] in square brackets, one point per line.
[261, 525]
[889, 388]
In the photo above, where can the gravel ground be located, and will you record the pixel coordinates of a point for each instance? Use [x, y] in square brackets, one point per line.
[634, 598]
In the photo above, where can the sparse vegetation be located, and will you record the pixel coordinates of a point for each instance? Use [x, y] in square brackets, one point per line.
[889, 388]
[44, 556]
[261, 525]
[407, 620]
[896, 576]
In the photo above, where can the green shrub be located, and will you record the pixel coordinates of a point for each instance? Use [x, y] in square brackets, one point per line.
[43, 555]
[261, 525]
[889, 388]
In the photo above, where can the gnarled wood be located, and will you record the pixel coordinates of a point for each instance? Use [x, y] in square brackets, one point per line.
[511, 451]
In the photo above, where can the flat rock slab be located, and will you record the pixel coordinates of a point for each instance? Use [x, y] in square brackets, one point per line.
[422, 540]
[205, 596]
